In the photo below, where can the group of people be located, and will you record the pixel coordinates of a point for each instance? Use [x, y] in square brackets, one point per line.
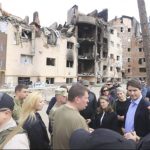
[21, 126]
[118, 119]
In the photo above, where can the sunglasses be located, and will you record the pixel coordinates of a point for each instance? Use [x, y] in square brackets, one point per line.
[105, 90]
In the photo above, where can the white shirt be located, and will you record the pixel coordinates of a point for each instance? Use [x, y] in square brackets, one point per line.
[19, 141]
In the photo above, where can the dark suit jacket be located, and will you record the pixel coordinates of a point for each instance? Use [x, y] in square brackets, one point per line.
[144, 143]
[142, 119]
[109, 121]
[90, 111]
[37, 133]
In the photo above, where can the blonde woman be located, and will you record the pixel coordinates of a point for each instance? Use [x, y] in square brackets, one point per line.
[32, 122]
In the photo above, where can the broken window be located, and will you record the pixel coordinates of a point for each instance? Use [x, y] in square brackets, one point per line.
[140, 61]
[121, 29]
[86, 31]
[111, 68]
[69, 80]
[69, 55]
[129, 49]
[129, 29]
[105, 54]
[142, 69]
[129, 70]
[24, 80]
[104, 67]
[26, 34]
[118, 69]
[26, 59]
[140, 49]
[118, 57]
[50, 61]
[86, 50]
[69, 63]
[70, 45]
[86, 67]
[105, 40]
[50, 80]
[129, 59]
[111, 31]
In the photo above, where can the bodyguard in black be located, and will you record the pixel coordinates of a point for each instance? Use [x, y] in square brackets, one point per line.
[90, 111]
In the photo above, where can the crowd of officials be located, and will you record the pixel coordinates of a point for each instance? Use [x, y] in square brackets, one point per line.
[118, 119]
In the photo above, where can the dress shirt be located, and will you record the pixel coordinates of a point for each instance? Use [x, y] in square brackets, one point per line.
[129, 122]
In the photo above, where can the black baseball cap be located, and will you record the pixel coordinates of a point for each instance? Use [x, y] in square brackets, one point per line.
[6, 101]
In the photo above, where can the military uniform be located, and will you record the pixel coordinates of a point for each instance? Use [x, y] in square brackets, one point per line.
[17, 109]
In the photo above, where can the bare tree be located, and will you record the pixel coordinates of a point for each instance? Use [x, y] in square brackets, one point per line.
[145, 35]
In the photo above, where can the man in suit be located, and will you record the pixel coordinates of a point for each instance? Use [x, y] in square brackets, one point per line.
[90, 111]
[137, 117]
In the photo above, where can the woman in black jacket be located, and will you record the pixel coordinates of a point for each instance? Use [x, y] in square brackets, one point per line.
[106, 117]
[32, 122]
[121, 107]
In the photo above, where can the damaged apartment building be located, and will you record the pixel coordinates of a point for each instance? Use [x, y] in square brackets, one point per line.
[133, 56]
[30, 53]
[96, 59]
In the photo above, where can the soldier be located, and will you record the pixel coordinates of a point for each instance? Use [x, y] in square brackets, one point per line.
[21, 92]
[61, 98]
[90, 111]
[67, 118]
[11, 136]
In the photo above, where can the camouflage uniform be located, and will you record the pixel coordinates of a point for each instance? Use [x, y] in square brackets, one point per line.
[17, 109]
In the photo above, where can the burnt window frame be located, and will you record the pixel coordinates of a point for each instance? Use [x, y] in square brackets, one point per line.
[50, 61]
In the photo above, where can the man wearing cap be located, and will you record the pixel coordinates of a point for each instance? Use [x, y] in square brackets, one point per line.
[137, 117]
[90, 111]
[11, 136]
[67, 117]
[21, 92]
[53, 100]
[61, 98]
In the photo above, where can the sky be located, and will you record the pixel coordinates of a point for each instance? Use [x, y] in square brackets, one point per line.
[51, 11]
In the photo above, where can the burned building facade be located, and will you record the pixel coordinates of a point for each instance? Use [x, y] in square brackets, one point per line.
[93, 37]
[30, 53]
[91, 33]
[132, 44]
